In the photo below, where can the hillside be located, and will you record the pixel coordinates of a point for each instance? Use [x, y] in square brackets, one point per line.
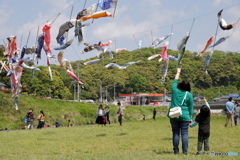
[79, 113]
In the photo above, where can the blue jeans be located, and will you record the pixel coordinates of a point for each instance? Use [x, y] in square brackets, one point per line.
[236, 119]
[177, 127]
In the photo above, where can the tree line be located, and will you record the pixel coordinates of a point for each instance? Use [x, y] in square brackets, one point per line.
[145, 76]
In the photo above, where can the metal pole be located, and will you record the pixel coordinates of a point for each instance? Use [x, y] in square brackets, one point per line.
[78, 83]
[114, 92]
[106, 93]
[101, 91]
[74, 92]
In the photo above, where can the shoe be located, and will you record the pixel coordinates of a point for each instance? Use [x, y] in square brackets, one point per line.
[205, 152]
[185, 153]
[198, 153]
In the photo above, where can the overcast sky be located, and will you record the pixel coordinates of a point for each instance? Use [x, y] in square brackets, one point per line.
[143, 19]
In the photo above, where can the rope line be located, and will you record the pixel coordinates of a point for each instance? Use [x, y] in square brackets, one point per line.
[28, 37]
[235, 26]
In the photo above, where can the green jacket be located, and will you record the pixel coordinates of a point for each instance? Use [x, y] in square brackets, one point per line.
[177, 97]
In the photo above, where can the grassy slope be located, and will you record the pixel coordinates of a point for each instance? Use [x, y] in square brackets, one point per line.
[139, 140]
[78, 113]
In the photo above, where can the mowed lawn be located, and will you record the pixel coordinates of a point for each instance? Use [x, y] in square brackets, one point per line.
[142, 140]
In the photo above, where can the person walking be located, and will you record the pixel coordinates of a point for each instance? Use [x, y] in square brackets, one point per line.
[41, 120]
[230, 112]
[154, 114]
[99, 114]
[236, 113]
[107, 114]
[203, 121]
[30, 116]
[181, 94]
[120, 113]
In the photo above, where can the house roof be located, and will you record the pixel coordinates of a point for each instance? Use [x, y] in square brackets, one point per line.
[141, 94]
[1, 84]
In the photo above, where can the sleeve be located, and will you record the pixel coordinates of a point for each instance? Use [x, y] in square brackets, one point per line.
[197, 118]
[193, 124]
[206, 103]
[174, 84]
[191, 108]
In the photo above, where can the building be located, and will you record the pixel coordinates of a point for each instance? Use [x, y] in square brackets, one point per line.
[2, 86]
[142, 99]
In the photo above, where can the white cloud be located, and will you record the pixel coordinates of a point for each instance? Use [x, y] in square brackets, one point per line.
[218, 2]
[5, 16]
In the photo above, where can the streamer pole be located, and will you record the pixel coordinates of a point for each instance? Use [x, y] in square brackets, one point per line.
[36, 45]
[137, 44]
[21, 41]
[235, 27]
[28, 37]
[115, 9]
[4, 42]
[55, 18]
[115, 45]
[96, 9]
[135, 39]
[215, 37]
[170, 38]
[152, 36]
[69, 19]
[84, 4]
[37, 35]
[192, 26]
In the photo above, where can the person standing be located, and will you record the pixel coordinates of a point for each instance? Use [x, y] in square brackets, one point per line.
[107, 114]
[41, 120]
[120, 113]
[236, 114]
[181, 91]
[230, 111]
[154, 114]
[57, 124]
[99, 114]
[30, 116]
[203, 121]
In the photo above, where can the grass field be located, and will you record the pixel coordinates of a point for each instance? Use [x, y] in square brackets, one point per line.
[142, 140]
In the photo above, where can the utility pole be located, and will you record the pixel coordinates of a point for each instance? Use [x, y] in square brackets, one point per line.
[78, 83]
[101, 91]
[164, 94]
[219, 92]
[114, 91]
[74, 91]
[106, 93]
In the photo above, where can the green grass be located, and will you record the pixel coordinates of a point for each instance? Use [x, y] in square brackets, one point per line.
[78, 113]
[139, 140]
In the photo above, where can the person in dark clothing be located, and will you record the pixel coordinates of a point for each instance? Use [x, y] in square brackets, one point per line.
[203, 121]
[57, 124]
[154, 114]
[107, 112]
[30, 116]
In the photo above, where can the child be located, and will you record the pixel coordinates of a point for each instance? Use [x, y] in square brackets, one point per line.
[70, 123]
[203, 121]
[57, 124]
[104, 120]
